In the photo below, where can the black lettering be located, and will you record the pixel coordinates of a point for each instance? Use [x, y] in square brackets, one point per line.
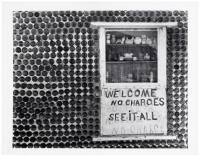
[134, 115]
[109, 94]
[129, 114]
[153, 92]
[155, 102]
[145, 93]
[149, 101]
[132, 102]
[123, 117]
[137, 92]
[142, 102]
[113, 102]
[116, 116]
[147, 116]
[111, 116]
[137, 103]
[161, 101]
[130, 93]
[127, 102]
[142, 116]
[123, 95]
[153, 117]
[120, 102]
[115, 93]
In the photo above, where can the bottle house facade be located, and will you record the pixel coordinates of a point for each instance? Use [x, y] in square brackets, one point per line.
[100, 79]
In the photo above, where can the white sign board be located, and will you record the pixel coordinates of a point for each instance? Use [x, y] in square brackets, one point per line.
[136, 111]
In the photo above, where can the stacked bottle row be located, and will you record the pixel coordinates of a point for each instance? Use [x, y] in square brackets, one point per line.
[60, 109]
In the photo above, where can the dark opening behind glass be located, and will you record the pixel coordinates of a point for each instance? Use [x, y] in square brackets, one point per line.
[131, 56]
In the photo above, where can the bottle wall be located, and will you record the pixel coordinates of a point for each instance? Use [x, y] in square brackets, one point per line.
[56, 95]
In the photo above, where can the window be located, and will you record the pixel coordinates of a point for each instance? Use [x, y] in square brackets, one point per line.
[133, 80]
[131, 55]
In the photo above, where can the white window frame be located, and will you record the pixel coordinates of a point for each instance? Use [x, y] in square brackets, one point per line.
[161, 65]
[161, 51]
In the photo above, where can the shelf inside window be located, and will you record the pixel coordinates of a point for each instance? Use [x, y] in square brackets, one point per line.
[131, 56]
[131, 45]
[127, 62]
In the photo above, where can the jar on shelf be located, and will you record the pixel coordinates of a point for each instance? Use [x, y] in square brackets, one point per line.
[129, 39]
[137, 40]
[134, 58]
[153, 55]
[128, 56]
[120, 40]
[114, 56]
[113, 39]
[140, 55]
[121, 58]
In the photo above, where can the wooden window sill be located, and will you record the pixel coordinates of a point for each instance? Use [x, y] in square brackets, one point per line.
[136, 137]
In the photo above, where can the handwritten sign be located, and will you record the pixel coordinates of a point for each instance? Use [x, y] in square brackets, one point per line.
[133, 111]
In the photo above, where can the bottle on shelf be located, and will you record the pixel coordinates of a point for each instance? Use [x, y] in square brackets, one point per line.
[130, 77]
[115, 57]
[146, 56]
[151, 76]
[108, 38]
[121, 74]
[107, 77]
[141, 77]
[144, 38]
[149, 41]
[154, 43]
[108, 55]
[123, 40]
[134, 56]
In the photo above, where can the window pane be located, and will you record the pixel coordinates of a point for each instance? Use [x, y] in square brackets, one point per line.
[131, 55]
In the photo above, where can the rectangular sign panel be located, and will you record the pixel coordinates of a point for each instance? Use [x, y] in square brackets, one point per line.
[137, 111]
[133, 80]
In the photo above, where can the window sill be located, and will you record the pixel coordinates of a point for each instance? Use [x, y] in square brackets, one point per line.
[136, 137]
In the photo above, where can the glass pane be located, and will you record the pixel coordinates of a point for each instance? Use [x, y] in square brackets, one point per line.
[131, 55]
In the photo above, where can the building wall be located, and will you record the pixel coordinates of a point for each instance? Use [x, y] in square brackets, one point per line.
[56, 78]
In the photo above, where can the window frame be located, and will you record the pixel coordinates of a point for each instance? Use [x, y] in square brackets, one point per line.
[131, 29]
[161, 67]
[161, 50]
[161, 56]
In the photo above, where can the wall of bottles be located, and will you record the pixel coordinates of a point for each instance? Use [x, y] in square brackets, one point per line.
[56, 95]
